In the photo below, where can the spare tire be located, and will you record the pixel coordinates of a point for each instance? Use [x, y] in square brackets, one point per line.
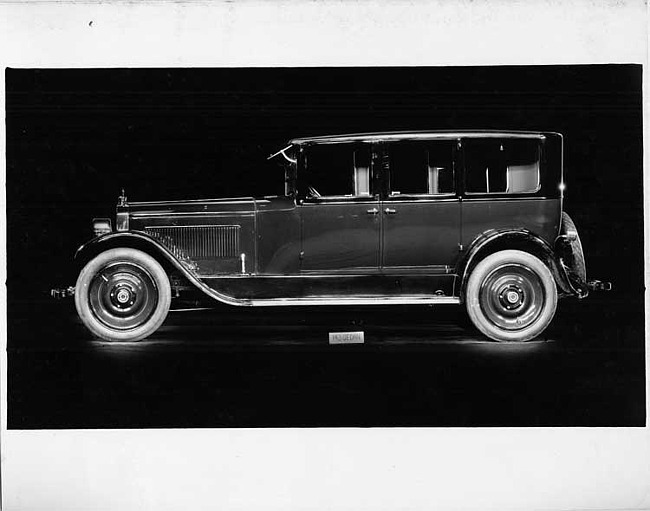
[572, 254]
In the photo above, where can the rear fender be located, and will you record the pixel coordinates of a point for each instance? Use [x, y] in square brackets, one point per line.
[162, 254]
[519, 239]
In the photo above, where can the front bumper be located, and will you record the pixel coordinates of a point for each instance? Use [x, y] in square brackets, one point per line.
[62, 292]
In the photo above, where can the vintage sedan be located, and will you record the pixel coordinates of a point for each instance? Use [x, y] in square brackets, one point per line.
[472, 218]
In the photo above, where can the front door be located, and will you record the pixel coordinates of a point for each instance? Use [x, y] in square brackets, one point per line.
[421, 209]
[339, 210]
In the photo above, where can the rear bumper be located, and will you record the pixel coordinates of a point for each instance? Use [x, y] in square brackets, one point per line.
[572, 284]
[598, 285]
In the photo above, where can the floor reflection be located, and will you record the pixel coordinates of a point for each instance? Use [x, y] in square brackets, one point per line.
[270, 368]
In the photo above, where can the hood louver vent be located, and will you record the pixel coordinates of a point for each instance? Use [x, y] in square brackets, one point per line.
[199, 241]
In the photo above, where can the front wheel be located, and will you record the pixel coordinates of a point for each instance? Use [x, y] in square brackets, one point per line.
[511, 296]
[123, 294]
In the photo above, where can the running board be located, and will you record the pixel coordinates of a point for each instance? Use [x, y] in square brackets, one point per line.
[365, 300]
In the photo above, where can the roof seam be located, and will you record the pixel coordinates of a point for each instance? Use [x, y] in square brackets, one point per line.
[359, 137]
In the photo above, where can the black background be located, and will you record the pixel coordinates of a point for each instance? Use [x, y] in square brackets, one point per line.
[76, 137]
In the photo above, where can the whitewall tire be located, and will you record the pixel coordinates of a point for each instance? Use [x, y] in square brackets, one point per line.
[123, 294]
[511, 295]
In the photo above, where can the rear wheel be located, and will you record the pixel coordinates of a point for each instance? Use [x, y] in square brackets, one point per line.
[511, 296]
[123, 294]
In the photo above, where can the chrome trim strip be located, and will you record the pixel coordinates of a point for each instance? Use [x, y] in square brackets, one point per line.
[371, 300]
[488, 192]
[206, 202]
[435, 270]
[316, 275]
[256, 238]
[189, 226]
[194, 213]
[480, 197]
[420, 199]
[422, 135]
[335, 199]
[359, 270]
[189, 309]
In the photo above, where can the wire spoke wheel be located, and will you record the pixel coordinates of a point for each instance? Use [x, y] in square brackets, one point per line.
[511, 296]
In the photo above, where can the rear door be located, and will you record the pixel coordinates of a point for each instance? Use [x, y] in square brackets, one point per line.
[421, 209]
[503, 188]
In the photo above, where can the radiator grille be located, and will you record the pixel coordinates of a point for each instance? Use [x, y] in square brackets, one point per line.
[199, 241]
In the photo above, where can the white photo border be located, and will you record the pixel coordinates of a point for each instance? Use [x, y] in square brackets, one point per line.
[343, 468]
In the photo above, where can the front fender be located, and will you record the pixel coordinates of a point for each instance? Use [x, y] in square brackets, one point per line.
[157, 250]
[124, 239]
[520, 239]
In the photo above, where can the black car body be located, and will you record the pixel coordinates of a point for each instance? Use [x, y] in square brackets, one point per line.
[463, 217]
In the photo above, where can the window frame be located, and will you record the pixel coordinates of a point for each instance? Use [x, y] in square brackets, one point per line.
[303, 172]
[388, 171]
[501, 194]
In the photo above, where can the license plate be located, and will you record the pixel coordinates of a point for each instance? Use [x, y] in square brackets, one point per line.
[346, 337]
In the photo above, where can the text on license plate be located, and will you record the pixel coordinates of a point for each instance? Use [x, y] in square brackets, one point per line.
[346, 337]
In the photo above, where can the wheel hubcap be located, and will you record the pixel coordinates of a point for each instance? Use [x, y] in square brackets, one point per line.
[123, 295]
[512, 297]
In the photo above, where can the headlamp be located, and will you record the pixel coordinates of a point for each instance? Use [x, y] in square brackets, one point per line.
[101, 226]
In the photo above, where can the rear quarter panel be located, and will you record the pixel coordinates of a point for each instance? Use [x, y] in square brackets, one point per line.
[541, 216]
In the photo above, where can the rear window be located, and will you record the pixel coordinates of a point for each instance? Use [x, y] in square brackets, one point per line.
[502, 166]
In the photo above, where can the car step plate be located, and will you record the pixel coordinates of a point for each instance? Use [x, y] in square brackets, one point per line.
[346, 337]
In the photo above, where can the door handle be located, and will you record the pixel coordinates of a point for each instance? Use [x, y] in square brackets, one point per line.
[390, 211]
[372, 211]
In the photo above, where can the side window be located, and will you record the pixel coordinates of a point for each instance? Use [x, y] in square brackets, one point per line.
[502, 166]
[421, 168]
[336, 170]
[522, 170]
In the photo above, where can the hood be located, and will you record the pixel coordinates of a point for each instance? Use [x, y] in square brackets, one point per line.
[201, 206]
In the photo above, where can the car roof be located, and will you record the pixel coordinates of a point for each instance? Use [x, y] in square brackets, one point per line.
[420, 135]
